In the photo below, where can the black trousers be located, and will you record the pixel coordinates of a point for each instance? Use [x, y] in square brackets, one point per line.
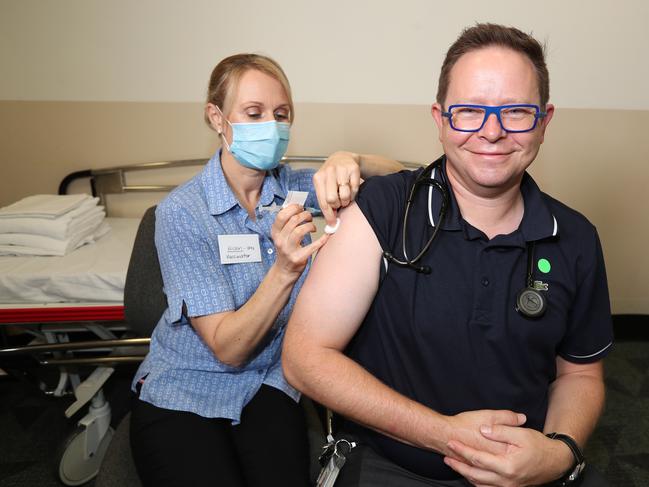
[180, 449]
[366, 468]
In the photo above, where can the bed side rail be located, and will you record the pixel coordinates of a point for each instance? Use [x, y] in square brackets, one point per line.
[112, 180]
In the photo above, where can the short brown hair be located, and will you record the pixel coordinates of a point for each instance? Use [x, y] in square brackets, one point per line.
[484, 35]
[228, 72]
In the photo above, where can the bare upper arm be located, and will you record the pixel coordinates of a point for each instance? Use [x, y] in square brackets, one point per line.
[340, 286]
[594, 369]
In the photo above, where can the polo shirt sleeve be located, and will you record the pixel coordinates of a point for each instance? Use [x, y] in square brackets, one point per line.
[382, 199]
[589, 337]
[192, 275]
[301, 180]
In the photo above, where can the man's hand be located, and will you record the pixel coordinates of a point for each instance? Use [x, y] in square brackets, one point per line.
[529, 458]
[336, 183]
[464, 428]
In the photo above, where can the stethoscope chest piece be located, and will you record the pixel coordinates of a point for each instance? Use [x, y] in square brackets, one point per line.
[531, 303]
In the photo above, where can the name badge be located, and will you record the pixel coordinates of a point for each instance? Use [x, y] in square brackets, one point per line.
[237, 249]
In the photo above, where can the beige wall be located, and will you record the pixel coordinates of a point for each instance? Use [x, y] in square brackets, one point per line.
[334, 51]
[90, 83]
[594, 160]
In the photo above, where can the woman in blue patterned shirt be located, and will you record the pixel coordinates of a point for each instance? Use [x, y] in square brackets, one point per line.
[213, 406]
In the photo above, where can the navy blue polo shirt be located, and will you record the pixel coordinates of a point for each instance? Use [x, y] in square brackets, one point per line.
[452, 339]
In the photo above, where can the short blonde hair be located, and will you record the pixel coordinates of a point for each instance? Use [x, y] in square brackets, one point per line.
[226, 75]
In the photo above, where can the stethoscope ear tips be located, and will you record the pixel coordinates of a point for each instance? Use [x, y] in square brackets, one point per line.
[531, 303]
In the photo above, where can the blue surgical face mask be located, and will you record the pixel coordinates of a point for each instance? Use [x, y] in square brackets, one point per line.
[259, 145]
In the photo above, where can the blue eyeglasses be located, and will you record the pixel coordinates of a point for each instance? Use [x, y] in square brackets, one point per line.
[512, 118]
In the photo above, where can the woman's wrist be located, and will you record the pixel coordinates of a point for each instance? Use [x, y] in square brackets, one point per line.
[284, 276]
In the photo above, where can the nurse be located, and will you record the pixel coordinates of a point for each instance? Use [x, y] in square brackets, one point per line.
[213, 405]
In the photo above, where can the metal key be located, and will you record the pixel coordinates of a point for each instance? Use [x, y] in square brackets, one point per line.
[327, 451]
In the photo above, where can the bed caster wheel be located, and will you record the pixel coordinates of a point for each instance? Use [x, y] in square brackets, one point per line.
[76, 466]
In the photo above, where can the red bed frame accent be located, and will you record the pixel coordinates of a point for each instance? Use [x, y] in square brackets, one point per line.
[48, 314]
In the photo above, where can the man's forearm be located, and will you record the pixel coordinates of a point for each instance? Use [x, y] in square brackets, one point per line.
[340, 384]
[576, 403]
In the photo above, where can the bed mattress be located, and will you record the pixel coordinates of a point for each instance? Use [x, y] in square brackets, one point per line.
[94, 273]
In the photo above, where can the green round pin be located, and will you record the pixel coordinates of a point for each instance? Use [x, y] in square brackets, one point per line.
[544, 266]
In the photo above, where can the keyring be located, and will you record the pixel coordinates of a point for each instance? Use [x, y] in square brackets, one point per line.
[349, 444]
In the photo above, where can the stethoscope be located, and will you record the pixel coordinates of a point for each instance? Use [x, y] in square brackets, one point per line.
[426, 178]
[530, 302]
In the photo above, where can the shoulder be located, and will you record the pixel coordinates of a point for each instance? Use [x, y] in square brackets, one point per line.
[577, 236]
[381, 194]
[568, 219]
[182, 205]
[390, 185]
[382, 200]
[295, 177]
[574, 229]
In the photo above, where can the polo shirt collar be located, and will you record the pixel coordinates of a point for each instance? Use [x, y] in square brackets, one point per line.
[220, 198]
[453, 218]
[538, 221]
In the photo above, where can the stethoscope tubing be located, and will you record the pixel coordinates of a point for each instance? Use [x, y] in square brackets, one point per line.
[529, 301]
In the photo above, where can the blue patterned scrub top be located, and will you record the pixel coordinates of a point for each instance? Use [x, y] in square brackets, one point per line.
[181, 371]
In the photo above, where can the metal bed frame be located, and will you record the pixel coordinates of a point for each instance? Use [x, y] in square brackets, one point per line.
[112, 180]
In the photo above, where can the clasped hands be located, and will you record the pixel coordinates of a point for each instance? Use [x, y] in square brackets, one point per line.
[493, 449]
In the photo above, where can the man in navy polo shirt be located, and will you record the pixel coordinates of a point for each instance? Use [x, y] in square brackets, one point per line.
[478, 362]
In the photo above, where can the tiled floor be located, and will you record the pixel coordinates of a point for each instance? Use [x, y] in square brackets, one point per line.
[33, 426]
[620, 445]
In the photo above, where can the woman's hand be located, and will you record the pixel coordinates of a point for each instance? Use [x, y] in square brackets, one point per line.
[291, 225]
[336, 183]
[234, 335]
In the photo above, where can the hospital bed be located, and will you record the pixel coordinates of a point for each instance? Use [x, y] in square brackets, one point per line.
[60, 301]
[72, 307]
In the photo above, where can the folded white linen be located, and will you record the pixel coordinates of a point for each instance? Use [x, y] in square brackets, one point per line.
[91, 274]
[43, 205]
[81, 230]
[61, 227]
[25, 244]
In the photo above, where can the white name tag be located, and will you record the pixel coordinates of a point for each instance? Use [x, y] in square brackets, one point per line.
[236, 249]
[297, 197]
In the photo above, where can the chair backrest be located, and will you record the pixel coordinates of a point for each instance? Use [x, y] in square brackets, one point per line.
[144, 300]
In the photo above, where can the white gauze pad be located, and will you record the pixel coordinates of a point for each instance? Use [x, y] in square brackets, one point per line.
[331, 229]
